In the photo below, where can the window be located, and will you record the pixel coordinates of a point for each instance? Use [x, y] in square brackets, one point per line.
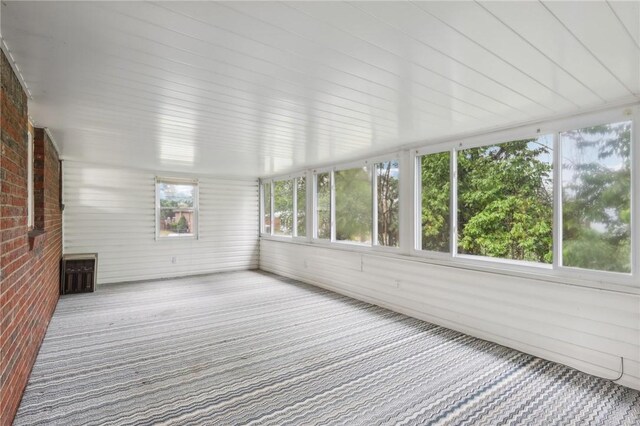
[353, 197]
[435, 185]
[176, 208]
[323, 206]
[505, 200]
[283, 207]
[596, 197]
[301, 206]
[30, 189]
[558, 201]
[387, 203]
[266, 207]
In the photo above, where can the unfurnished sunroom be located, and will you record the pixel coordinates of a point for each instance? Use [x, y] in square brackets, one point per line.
[320, 213]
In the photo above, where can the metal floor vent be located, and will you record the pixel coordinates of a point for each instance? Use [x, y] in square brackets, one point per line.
[78, 273]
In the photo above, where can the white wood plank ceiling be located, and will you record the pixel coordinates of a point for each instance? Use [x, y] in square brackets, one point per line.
[251, 89]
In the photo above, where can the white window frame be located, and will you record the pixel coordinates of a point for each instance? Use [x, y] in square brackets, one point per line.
[397, 157]
[273, 197]
[295, 235]
[314, 206]
[196, 209]
[30, 185]
[633, 116]
[410, 210]
[271, 181]
[553, 128]
[262, 183]
[417, 207]
[348, 166]
[454, 203]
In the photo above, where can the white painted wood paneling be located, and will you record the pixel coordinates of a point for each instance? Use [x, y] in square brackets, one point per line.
[265, 88]
[585, 328]
[111, 211]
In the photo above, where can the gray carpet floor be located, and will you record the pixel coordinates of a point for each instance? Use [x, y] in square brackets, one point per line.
[254, 348]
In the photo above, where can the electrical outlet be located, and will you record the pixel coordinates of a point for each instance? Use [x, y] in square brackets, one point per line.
[174, 259]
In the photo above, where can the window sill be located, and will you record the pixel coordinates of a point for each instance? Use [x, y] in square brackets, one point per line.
[37, 238]
[545, 273]
[189, 238]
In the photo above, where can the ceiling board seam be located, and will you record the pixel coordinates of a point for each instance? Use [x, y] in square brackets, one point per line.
[242, 98]
[586, 47]
[626, 29]
[266, 75]
[222, 177]
[436, 72]
[366, 94]
[401, 58]
[281, 130]
[187, 115]
[254, 84]
[305, 58]
[197, 96]
[540, 51]
[453, 59]
[473, 70]
[501, 59]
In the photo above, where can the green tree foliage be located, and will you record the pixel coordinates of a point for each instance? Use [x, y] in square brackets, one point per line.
[505, 201]
[596, 164]
[283, 206]
[323, 205]
[301, 193]
[182, 226]
[353, 205]
[173, 197]
[436, 195]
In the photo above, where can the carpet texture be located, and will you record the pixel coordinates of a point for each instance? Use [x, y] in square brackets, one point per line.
[254, 348]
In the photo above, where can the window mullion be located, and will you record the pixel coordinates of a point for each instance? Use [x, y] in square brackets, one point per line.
[314, 207]
[294, 231]
[635, 198]
[374, 204]
[453, 203]
[332, 187]
[309, 223]
[272, 205]
[557, 201]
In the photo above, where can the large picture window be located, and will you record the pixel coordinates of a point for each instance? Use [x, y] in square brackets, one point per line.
[505, 200]
[435, 199]
[283, 207]
[596, 197]
[176, 208]
[353, 199]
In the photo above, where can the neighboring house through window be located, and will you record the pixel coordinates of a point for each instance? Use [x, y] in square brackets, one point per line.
[176, 208]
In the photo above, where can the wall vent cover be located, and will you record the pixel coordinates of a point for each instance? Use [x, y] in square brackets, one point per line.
[78, 273]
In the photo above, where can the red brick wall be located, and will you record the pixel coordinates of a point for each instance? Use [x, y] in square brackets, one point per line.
[28, 277]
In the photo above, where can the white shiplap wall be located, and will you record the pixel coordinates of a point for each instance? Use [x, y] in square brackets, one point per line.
[111, 211]
[585, 328]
